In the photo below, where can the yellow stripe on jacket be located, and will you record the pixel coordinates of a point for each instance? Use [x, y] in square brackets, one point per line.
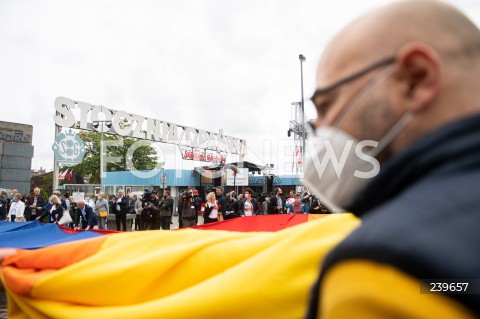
[364, 289]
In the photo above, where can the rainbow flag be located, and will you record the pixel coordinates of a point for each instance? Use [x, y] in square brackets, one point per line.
[33, 235]
[261, 222]
[188, 273]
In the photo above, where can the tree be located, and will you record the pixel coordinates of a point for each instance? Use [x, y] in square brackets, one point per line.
[44, 182]
[143, 158]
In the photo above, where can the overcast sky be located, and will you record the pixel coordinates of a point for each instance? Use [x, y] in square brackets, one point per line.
[208, 64]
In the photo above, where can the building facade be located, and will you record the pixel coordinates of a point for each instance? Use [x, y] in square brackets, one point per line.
[16, 153]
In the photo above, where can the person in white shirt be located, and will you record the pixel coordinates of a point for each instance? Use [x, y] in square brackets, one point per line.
[17, 208]
[211, 209]
[249, 205]
[67, 201]
[89, 201]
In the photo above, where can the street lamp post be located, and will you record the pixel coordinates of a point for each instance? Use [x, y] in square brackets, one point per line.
[302, 59]
[164, 181]
[234, 168]
[95, 125]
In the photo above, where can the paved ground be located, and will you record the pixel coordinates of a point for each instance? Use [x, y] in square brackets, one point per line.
[3, 306]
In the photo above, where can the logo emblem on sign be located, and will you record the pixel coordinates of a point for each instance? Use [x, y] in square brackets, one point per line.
[68, 148]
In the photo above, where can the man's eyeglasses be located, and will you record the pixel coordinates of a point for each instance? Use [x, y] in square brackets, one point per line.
[353, 77]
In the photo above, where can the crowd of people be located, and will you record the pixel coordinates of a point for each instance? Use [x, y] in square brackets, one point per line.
[151, 211]
[216, 206]
[59, 209]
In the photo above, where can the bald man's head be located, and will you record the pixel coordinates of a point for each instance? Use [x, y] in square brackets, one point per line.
[80, 203]
[429, 53]
[382, 32]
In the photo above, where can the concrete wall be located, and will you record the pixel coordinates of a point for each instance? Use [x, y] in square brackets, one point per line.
[16, 152]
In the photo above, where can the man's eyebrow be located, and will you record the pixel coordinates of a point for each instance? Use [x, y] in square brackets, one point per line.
[352, 77]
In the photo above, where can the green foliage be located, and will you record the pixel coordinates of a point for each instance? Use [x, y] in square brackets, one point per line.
[142, 158]
[43, 193]
[43, 182]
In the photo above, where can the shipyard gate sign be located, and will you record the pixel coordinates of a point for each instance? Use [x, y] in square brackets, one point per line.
[137, 126]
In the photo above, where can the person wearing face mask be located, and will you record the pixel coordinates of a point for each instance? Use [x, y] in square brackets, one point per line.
[397, 144]
[249, 205]
[277, 203]
[89, 200]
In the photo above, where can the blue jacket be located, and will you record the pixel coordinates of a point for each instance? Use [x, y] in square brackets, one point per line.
[421, 214]
[53, 216]
[89, 220]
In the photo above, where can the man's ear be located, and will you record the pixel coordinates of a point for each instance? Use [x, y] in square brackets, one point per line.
[421, 70]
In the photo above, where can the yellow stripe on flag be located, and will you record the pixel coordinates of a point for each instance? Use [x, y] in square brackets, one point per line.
[191, 274]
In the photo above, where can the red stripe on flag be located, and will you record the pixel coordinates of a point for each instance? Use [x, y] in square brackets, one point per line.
[257, 223]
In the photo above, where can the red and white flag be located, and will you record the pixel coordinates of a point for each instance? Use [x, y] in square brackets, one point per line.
[62, 175]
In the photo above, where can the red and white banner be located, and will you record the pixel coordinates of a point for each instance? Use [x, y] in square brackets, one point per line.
[193, 154]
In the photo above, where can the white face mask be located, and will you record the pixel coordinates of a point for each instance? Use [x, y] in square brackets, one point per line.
[330, 168]
[246, 195]
[338, 167]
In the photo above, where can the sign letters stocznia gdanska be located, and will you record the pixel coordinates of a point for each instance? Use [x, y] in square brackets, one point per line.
[141, 127]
